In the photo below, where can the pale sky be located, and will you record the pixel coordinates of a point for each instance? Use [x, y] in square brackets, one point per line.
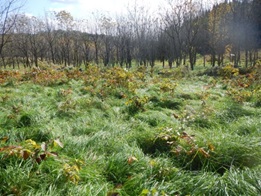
[83, 8]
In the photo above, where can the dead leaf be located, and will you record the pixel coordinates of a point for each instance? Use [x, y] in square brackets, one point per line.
[38, 160]
[203, 152]
[175, 116]
[26, 154]
[4, 139]
[132, 159]
[211, 147]
[52, 154]
[42, 156]
[44, 146]
[57, 142]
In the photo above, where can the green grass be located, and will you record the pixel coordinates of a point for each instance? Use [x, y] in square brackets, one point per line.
[133, 137]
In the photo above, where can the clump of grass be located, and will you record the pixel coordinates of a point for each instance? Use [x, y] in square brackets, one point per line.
[200, 122]
[231, 111]
[15, 176]
[189, 96]
[25, 121]
[153, 118]
[168, 103]
[247, 126]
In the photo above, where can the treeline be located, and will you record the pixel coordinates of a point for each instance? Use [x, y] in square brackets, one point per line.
[176, 35]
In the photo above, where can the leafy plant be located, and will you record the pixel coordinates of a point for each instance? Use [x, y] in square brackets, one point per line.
[228, 71]
[168, 86]
[30, 149]
[136, 104]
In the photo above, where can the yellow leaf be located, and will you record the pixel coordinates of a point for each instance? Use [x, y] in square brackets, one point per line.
[145, 192]
[75, 168]
[57, 142]
[4, 139]
[211, 147]
[29, 141]
[153, 163]
[32, 144]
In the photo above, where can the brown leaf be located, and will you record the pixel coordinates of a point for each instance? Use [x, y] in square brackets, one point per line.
[38, 160]
[203, 152]
[42, 156]
[25, 154]
[175, 116]
[132, 159]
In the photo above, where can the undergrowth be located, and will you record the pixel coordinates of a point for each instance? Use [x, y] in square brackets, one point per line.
[129, 132]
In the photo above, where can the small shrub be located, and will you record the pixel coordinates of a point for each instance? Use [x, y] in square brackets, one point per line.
[136, 104]
[9, 77]
[48, 77]
[168, 86]
[228, 71]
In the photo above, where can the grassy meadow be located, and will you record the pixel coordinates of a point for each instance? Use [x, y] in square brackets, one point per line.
[130, 132]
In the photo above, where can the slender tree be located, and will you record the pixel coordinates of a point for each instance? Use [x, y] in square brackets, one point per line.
[9, 10]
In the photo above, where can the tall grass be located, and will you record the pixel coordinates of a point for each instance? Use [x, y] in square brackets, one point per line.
[126, 133]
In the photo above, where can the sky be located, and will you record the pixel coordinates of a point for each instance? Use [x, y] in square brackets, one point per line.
[83, 8]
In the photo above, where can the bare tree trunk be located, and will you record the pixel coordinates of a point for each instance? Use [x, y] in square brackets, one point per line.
[213, 59]
[4, 63]
[237, 58]
[170, 64]
[7, 8]
[246, 58]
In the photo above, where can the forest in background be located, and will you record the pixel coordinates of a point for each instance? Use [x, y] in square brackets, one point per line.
[176, 36]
